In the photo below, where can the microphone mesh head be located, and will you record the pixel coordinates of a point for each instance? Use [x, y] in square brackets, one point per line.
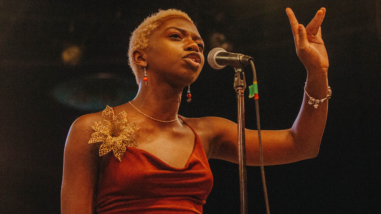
[212, 58]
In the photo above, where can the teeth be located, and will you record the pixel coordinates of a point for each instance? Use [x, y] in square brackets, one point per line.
[195, 60]
[192, 59]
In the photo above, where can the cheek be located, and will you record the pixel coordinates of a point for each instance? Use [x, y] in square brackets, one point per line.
[164, 60]
[164, 53]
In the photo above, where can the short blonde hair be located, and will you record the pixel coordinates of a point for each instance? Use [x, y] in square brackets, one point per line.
[139, 39]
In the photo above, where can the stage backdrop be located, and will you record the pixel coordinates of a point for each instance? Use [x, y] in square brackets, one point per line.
[62, 59]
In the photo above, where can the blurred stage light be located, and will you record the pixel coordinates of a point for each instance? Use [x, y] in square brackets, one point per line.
[219, 40]
[94, 92]
[72, 55]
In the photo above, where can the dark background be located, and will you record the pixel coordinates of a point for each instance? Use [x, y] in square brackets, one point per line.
[41, 96]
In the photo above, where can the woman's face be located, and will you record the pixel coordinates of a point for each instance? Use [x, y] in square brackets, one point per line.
[175, 52]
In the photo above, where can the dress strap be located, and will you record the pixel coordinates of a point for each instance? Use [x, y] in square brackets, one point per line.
[195, 133]
[182, 119]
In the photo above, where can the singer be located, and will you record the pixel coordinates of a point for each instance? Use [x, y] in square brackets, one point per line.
[142, 157]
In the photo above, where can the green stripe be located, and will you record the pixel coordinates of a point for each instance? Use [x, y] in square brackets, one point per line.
[251, 91]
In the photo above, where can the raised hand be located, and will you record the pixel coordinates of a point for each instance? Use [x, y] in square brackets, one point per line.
[309, 43]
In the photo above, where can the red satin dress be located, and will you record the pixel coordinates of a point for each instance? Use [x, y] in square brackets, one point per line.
[142, 183]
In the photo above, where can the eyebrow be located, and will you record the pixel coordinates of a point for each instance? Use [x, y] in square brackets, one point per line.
[184, 32]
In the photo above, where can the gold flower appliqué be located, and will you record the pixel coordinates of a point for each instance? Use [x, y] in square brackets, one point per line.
[114, 132]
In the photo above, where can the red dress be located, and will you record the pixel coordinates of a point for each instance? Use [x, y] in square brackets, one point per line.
[142, 183]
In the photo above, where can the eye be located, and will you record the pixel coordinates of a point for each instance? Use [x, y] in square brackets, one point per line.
[175, 35]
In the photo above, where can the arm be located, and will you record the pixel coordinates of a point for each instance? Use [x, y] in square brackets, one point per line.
[310, 123]
[80, 170]
[302, 140]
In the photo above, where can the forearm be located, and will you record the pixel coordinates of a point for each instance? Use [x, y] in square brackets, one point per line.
[308, 128]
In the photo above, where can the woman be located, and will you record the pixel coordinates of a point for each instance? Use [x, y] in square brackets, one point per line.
[154, 161]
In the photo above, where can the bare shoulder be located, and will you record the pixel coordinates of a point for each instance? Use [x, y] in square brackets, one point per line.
[80, 167]
[85, 122]
[210, 130]
[211, 124]
[81, 130]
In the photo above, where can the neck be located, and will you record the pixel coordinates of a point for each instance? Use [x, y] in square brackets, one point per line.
[160, 101]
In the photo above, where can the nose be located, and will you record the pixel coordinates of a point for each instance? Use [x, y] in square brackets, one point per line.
[192, 46]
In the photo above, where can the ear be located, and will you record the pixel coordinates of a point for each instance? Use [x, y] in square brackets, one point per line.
[139, 58]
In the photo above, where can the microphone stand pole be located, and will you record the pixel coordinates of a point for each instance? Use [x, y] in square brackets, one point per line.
[240, 86]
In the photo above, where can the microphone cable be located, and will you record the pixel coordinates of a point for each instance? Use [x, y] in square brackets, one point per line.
[253, 92]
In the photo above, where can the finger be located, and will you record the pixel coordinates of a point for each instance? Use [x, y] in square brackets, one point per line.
[291, 16]
[324, 12]
[303, 41]
[319, 33]
[314, 25]
[294, 24]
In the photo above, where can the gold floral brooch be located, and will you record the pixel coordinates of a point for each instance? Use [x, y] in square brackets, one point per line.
[114, 132]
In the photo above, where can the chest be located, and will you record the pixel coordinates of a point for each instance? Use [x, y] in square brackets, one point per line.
[173, 147]
[141, 179]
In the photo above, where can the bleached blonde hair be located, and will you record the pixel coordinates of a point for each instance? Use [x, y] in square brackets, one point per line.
[139, 39]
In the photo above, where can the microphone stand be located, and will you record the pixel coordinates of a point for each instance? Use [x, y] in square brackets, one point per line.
[239, 87]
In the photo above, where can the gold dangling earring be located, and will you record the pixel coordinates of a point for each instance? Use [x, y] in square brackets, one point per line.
[145, 76]
[189, 95]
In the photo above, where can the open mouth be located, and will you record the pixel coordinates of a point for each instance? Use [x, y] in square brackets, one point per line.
[193, 59]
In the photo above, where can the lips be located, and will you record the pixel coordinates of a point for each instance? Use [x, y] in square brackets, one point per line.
[193, 59]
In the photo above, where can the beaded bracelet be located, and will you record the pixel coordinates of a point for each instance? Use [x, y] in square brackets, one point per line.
[315, 102]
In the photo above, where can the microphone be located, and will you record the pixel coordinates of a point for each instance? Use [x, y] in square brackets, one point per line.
[218, 58]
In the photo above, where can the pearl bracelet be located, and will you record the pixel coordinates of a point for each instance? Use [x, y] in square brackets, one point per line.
[315, 102]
